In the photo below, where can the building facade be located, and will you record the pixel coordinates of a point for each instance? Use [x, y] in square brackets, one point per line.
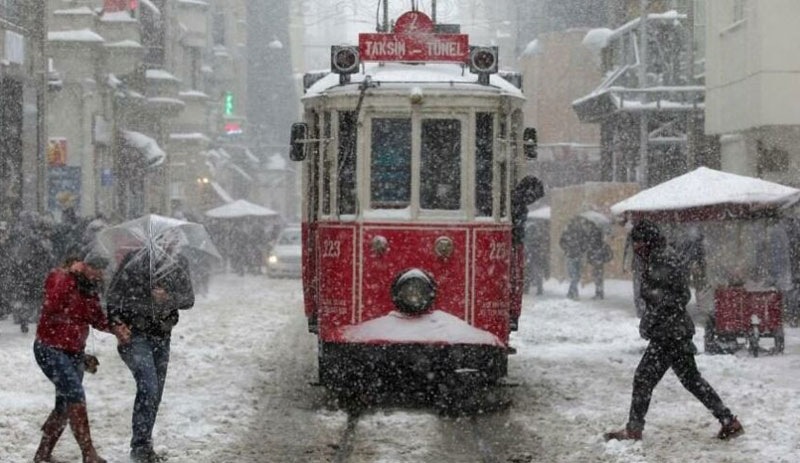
[751, 69]
[22, 107]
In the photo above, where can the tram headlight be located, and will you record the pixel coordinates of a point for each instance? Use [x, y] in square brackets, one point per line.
[413, 291]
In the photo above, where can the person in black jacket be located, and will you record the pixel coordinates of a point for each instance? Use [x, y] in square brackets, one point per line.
[146, 296]
[668, 327]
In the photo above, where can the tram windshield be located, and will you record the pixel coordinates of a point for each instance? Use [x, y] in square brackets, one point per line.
[390, 165]
[440, 163]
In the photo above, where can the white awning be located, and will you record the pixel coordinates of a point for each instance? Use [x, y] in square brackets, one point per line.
[147, 146]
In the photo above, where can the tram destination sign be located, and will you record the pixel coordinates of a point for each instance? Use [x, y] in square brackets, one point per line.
[414, 40]
[452, 48]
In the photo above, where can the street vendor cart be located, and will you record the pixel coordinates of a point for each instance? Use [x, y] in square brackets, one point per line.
[731, 232]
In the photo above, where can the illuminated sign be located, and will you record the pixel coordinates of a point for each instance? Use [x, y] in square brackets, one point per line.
[229, 104]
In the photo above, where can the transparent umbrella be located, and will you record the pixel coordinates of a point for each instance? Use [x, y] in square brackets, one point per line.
[159, 239]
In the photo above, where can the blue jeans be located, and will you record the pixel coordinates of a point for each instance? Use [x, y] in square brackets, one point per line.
[574, 274]
[147, 357]
[63, 369]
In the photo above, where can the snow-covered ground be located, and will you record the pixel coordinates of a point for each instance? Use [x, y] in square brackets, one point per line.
[238, 390]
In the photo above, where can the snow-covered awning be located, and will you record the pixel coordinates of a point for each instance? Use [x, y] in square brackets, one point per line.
[240, 208]
[706, 194]
[145, 145]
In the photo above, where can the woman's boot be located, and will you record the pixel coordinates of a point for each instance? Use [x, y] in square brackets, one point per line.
[51, 432]
[79, 422]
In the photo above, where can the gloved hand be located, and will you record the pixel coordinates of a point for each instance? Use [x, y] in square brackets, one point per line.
[90, 363]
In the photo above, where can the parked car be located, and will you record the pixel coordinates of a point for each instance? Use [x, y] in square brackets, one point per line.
[285, 258]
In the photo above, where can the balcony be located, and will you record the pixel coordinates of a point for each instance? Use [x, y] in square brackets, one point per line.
[123, 57]
[72, 18]
[119, 26]
[193, 17]
[76, 53]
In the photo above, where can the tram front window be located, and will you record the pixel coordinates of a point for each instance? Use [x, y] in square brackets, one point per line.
[390, 164]
[440, 156]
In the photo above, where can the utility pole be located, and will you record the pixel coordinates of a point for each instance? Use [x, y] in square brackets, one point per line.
[40, 76]
[644, 133]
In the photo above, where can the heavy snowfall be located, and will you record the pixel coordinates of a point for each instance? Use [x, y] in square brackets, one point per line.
[241, 388]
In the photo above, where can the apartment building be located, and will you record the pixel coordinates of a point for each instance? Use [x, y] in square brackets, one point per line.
[22, 101]
[146, 88]
[751, 69]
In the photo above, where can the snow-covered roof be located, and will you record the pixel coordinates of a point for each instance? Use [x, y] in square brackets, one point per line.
[597, 39]
[83, 10]
[160, 74]
[195, 136]
[81, 35]
[707, 187]
[147, 146]
[240, 208]
[436, 327]
[125, 44]
[166, 99]
[117, 16]
[442, 76]
[198, 3]
[193, 94]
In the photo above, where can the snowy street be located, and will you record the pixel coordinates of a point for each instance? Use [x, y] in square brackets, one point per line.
[240, 390]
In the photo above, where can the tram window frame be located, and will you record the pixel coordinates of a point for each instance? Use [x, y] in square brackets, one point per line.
[314, 166]
[347, 196]
[327, 165]
[502, 165]
[404, 129]
[515, 147]
[484, 163]
[437, 167]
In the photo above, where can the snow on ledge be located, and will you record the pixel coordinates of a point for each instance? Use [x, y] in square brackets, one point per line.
[436, 327]
[82, 35]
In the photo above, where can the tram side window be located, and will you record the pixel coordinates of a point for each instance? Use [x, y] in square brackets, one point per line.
[327, 165]
[440, 156]
[484, 155]
[347, 162]
[390, 163]
[313, 179]
[503, 168]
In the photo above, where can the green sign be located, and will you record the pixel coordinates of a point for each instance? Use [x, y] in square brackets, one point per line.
[229, 103]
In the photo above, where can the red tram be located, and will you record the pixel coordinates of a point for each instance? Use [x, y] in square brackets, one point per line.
[410, 149]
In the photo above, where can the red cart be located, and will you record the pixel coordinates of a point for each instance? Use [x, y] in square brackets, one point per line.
[741, 313]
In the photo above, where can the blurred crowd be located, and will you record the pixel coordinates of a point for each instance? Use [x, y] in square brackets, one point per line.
[29, 248]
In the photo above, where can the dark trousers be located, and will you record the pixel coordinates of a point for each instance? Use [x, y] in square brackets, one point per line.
[660, 356]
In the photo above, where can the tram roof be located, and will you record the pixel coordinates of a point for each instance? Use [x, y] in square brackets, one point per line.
[406, 74]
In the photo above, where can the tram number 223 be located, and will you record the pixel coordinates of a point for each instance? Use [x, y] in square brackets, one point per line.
[331, 248]
[499, 250]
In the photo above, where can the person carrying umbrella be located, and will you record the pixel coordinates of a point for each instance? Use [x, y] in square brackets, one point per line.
[150, 286]
[71, 304]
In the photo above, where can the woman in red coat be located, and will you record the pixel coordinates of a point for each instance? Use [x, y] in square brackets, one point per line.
[71, 305]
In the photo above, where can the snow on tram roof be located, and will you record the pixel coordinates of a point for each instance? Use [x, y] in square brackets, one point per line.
[405, 73]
